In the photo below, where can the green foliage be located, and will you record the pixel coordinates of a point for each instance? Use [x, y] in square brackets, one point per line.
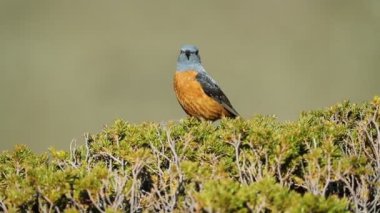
[262, 196]
[326, 161]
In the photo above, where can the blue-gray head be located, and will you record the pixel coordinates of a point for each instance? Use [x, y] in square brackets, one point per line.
[189, 59]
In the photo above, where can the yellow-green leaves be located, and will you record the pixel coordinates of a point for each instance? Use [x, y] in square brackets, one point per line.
[326, 161]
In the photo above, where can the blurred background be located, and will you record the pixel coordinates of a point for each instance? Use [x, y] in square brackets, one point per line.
[69, 67]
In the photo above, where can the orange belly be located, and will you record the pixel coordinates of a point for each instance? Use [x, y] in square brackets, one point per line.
[194, 100]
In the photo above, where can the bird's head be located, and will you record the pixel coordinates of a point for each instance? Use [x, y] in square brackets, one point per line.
[189, 54]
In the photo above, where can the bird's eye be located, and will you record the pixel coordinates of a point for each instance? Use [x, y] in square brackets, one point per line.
[182, 51]
[196, 52]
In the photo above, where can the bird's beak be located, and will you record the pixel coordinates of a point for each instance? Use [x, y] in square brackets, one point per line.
[187, 55]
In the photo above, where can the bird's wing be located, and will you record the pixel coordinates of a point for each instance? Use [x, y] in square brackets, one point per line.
[212, 89]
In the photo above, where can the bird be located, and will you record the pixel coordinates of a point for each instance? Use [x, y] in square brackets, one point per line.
[197, 92]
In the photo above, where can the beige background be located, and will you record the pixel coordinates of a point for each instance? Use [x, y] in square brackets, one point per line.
[69, 67]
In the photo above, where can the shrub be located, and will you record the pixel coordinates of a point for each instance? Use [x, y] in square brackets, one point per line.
[326, 161]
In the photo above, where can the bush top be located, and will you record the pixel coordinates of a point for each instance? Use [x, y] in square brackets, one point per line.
[326, 161]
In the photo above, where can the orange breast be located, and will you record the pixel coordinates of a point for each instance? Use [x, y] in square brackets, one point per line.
[193, 99]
